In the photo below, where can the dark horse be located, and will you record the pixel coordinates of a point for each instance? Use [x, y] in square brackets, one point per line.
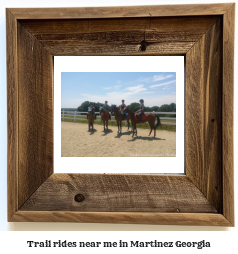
[119, 117]
[149, 117]
[90, 118]
[105, 116]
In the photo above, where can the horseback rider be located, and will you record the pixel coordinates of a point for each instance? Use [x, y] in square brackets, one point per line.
[93, 110]
[123, 105]
[105, 106]
[140, 112]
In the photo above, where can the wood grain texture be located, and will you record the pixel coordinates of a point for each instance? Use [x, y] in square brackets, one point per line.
[119, 36]
[189, 26]
[121, 12]
[34, 36]
[204, 115]
[114, 193]
[115, 49]
[12, 114]
[192, 219]
[227, 113]
[35, 111]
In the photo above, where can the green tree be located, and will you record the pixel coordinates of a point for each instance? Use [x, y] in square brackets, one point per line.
[134, 106]
[155, 108]
[168, 108]
[84, 106]
[147, 109]
[97, 105]
[173, 107]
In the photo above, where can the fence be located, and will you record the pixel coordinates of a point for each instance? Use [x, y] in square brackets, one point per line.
[78, 116]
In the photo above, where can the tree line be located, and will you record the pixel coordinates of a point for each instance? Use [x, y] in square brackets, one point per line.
[133, 106]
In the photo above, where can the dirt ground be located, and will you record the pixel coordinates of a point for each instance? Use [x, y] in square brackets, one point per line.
[77, 141]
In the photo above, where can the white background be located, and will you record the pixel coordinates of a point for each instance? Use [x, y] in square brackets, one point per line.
[16, 241]
[120, 64]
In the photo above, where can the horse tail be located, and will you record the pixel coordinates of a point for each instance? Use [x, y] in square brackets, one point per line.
[158, 121]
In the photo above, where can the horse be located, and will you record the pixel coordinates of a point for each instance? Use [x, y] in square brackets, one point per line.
[119, 117]
[90, 118]
[105, 116]
[148, 117]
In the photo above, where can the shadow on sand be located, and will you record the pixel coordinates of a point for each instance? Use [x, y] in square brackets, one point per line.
[92, 131]
[106, 132]
[123, 134]
[145, 138]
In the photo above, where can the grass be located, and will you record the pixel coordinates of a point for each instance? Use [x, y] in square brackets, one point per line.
[139, 125]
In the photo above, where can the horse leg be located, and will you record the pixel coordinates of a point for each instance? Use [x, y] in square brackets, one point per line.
[107, 125]
[134, 129]
[118, 127]
[150, 130]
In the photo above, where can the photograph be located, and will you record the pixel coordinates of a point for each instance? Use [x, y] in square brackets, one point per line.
[118, 114]
[146, 136]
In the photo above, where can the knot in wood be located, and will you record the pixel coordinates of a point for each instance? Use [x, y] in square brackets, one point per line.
[79, 198]
[143, 45]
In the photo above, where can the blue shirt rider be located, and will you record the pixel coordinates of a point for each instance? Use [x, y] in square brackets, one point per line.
[140, 112]
[105, 106]
[123, 105]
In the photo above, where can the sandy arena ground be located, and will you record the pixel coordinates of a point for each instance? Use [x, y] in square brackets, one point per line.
[77, 141]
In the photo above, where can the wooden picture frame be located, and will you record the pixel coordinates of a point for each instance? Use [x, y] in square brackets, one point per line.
[204, 34]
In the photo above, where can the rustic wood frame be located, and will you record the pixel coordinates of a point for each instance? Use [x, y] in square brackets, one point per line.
[204, 34]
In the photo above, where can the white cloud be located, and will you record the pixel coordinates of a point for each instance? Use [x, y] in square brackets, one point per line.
[116, 87]
[161, 77]
[158, 78]
[142, 80]
[160, 100]
[135, 89]
[163, 84]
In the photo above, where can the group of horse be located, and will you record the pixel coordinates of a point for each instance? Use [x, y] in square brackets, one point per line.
[128, 115]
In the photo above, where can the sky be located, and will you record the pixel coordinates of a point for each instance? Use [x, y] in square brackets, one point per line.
[156, 88]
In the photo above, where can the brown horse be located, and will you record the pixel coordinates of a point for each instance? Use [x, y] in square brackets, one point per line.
[105, 116]
[119, 118]
[149, 117]
[90, 118]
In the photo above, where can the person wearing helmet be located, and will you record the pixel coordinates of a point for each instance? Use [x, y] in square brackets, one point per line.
[140, 112]
[105, 106]
[123, 105]
[93, 110]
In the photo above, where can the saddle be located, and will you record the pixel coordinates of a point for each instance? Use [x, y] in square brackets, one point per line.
[124, 115]
[143, 117]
